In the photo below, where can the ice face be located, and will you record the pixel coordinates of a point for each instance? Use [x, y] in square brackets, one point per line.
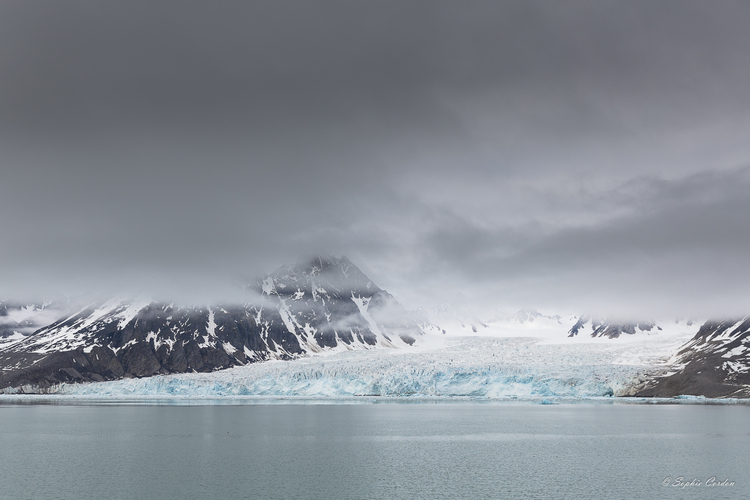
[438, 366]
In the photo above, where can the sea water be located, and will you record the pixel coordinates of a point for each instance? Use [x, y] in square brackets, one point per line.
[465, 450]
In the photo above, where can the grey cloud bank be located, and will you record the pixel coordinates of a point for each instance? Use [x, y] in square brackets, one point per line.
[586, 156]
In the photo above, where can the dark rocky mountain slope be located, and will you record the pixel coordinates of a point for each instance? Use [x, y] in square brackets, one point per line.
[714, 363]
[609, 328]
[319, 303]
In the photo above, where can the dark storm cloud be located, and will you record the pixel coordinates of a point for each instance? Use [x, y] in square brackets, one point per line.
[677, 245]
[520, 153]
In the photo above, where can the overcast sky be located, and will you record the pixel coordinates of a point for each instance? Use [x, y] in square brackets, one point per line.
[565, 156]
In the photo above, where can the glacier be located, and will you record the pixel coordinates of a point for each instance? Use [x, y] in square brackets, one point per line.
[321, 329]
[542, 364]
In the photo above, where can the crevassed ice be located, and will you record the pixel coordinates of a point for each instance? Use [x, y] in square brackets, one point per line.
[469, 366]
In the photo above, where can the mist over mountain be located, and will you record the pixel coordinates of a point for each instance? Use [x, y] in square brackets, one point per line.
[320, 303]
[323, 305]
[521, 169]
[523, 154]
[19, 318]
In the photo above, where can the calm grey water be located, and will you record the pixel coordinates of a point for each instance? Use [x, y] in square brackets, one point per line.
[373, 451]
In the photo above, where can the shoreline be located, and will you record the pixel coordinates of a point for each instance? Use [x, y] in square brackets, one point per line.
[161, 400]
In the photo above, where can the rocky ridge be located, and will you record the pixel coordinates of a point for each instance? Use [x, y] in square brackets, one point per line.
[596, 327]
[714, 363]
[321, 303]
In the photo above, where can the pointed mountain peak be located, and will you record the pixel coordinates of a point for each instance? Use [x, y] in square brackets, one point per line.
[311, 261]
[313, 272]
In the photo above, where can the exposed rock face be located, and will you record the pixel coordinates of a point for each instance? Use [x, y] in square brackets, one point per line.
[714, 363]
[320, 303]
[331, 301]
[610, 329]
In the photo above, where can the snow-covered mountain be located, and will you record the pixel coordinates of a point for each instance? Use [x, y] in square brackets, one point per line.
[321, 303]
[714, 363]
[531, 322]
[324, 305]
[450, 320]
[328, 302]
[595, 327]
[19, 319]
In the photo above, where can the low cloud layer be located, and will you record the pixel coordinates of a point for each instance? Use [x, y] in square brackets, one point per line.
[586, 156]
